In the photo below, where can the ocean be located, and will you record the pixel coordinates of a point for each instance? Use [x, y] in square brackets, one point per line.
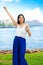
[34, 41]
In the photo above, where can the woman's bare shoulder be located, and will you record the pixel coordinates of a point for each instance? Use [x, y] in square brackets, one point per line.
[26, 25]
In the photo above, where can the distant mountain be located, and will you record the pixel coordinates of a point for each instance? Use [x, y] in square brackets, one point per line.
[8, 23]
[34, 23]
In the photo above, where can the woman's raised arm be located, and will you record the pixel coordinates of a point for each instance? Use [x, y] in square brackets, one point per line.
[13, 20]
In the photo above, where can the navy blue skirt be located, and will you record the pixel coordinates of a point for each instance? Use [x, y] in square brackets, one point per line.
[19, 50]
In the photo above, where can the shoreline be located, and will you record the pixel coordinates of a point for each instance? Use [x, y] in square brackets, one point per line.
[27, 51]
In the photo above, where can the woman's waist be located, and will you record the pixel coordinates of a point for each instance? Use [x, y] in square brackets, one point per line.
[20, 35]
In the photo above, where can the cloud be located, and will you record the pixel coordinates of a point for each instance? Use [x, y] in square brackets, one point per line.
[34, 14]
[17, 1]
[3, 15]
[11, 0]
[7, 0]
[30, 15]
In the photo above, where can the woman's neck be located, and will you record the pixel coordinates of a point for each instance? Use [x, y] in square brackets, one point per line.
[21, 23]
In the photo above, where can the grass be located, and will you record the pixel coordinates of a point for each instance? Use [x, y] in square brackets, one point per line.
[35, 58]
[32, 59]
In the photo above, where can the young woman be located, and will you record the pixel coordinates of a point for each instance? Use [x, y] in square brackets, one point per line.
[19, 42]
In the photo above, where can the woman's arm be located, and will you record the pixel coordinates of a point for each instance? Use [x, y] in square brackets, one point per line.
[13, 20]
[28, 30]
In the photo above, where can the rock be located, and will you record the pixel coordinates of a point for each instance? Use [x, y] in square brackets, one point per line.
[28, 51]
[5, 51]
[35, 50]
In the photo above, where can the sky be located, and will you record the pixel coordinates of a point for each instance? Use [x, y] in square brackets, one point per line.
[31, 9]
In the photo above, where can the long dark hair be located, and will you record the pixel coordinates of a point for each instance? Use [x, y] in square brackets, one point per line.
[18, 18]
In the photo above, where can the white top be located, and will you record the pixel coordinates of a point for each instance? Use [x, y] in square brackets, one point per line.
[20, 31]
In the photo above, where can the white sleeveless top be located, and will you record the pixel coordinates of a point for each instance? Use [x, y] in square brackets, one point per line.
[20, 31]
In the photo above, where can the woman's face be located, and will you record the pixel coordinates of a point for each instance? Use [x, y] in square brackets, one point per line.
[21, 19]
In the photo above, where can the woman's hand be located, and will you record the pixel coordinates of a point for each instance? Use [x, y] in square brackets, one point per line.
[5, 8]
